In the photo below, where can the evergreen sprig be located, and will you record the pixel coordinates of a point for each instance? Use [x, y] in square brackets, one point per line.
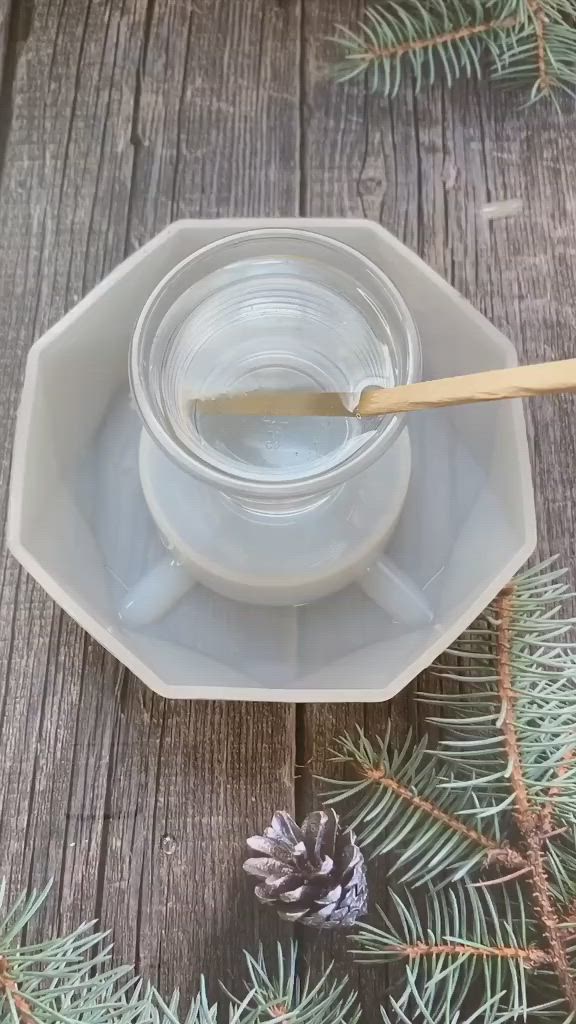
[525, 43]
[69, 980]
[399, 808]
[482, 828]
[454, 943]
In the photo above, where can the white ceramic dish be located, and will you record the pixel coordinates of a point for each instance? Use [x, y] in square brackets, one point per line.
[79, 524]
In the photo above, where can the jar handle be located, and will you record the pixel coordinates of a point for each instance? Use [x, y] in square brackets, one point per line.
[395, 592]
[156, 593]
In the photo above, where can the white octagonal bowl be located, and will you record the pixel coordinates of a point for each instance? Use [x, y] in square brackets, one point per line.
[79, 524]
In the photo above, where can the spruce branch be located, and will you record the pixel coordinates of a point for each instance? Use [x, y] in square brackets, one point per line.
[66, 979]
[424, 36]
[527, 43]
[449, 946]
[485, 824]
[9, 990]
[274, 992]
[504, 613]
[284, 996]
[69, 980]
[532, 957]
[540, 19]
[398, 795]
[532, 827]
[540, 688]
[544, 57]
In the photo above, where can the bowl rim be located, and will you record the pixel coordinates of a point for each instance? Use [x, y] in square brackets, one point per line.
[242, 485]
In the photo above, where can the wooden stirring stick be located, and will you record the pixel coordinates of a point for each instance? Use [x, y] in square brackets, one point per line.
[488, 386]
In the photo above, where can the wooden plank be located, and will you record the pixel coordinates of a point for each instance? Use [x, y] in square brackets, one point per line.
[96, 771]
[424, 166]
[216, 133]
[343, 176]
[7, 10]
[66, 145]
[533, 278]
[218, 122]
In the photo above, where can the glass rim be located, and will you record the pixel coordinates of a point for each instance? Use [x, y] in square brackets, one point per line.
[243, 485]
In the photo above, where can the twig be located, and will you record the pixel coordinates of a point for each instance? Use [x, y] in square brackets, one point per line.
[569, 920]
[524, 813]
[529, 821]
[540, 21]
[497, 852]
[531, 957]
[466, 32]
[554, 791]
[9, 989]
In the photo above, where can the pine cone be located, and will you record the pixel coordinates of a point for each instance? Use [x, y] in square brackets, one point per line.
[314, 874]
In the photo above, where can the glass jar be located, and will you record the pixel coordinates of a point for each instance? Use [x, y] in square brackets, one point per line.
[265, 509]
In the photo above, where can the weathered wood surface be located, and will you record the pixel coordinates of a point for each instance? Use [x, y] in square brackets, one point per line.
[122, 117]
[116, 116]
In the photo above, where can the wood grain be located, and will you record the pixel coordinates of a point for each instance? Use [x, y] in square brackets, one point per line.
[216, 133]
[423, 166]
[67, 165]
[344, 174]
[7, 10]
[117, 116]
[121, 119]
